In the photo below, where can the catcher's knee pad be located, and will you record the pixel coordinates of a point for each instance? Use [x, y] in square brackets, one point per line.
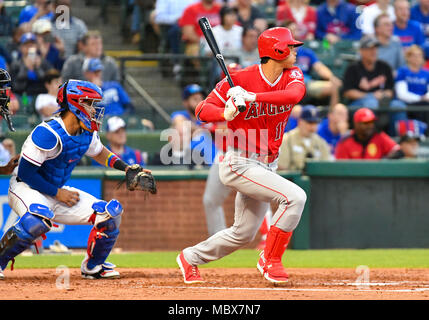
[33, 224]
[104, 233]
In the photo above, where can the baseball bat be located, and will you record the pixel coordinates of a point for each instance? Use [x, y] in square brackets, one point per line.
[206, 28]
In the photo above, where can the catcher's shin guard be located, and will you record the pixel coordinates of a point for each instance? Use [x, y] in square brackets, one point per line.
[106, 220]
[33, 224]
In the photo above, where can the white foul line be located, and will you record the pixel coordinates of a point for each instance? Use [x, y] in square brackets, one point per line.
[291, 289]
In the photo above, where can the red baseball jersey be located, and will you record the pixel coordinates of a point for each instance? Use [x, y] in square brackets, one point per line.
[379, 146]
[260, 128]
[195, 11]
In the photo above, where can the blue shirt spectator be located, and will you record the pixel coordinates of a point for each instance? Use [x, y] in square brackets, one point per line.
[334, 126]
[417, 81]
[30, 11]
[418, 15]
[115, 99]
[305, 59]
[339, 19]
[116, 135]
[412, 34]
[411, 83]
[408, 31]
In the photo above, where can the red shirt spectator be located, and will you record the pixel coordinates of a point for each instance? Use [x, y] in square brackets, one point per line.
[303, 15]
[204, 8]
[363, 142]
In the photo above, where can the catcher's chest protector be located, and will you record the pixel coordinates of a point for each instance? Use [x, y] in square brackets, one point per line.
[58, 170]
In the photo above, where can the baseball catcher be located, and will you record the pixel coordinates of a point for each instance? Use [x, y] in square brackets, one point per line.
[38, 192]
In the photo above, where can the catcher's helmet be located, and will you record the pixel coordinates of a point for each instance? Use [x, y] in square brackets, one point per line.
[273, 43]
[82, 98]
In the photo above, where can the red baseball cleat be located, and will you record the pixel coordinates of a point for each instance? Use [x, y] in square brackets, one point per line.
[273, 271]
[191, 274]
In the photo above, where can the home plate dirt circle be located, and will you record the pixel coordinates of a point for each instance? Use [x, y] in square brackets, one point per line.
[220, 284]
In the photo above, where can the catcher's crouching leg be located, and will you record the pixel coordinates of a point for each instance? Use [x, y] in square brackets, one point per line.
[106, 219]
[33, 224]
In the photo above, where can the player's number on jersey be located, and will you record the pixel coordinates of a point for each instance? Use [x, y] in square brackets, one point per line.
[280, 128]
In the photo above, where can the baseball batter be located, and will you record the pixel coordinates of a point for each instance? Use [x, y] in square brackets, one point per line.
[37, 191]
[270, 90]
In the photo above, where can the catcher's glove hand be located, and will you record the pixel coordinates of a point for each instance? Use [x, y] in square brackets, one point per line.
[138, 178]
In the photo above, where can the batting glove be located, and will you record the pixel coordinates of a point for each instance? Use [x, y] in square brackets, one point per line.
[231, 109]
[239, 91]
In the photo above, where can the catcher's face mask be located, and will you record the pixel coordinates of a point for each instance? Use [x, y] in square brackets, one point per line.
[5, 97]
[94, 111]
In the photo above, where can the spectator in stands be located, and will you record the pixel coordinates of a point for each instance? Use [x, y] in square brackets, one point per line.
[4, 155]
[50, 48]
[116, 135]
[189, 134]
[92, 44]
[299, 12]
[248, 53]
[335, 125]
[166, 16]
[140, 8]
[228, 34]
[115, 99]
[29, 70]
[71, 30]
[369, 82]
[13, 104]
[12, 46]
[46, 103]
[409, 32]
[292, 122]
[390, 49]
[41, 9]
[191, 32]
[420, 13]
[327, 86]
[408, 147]
[10, 146]
[249, 16]
[336, 20]
[364, 142]
[370, 13]
[6, 24]
[412, 81]
[303, 143]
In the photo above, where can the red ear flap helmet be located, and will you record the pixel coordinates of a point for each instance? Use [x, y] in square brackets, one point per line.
[274, 42]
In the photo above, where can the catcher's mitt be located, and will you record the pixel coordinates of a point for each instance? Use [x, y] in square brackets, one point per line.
[138, 179]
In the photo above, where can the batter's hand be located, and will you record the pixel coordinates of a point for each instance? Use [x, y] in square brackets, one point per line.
[231, 109]
[238, 91]
[69, 198]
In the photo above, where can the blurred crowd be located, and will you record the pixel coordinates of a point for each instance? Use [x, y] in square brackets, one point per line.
[388, 70]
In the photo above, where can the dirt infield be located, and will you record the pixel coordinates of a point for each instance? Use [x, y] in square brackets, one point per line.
[221, 284]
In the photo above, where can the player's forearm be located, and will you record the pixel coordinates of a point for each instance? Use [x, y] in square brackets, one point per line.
[209, 112]
[28, 173]
[109, 159]
[293, 94]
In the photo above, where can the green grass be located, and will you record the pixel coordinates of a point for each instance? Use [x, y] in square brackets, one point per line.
[374, 258]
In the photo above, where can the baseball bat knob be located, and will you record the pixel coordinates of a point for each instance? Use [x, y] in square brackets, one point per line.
[240, 103]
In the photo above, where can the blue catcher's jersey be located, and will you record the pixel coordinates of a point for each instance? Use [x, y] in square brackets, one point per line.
[58, 170]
